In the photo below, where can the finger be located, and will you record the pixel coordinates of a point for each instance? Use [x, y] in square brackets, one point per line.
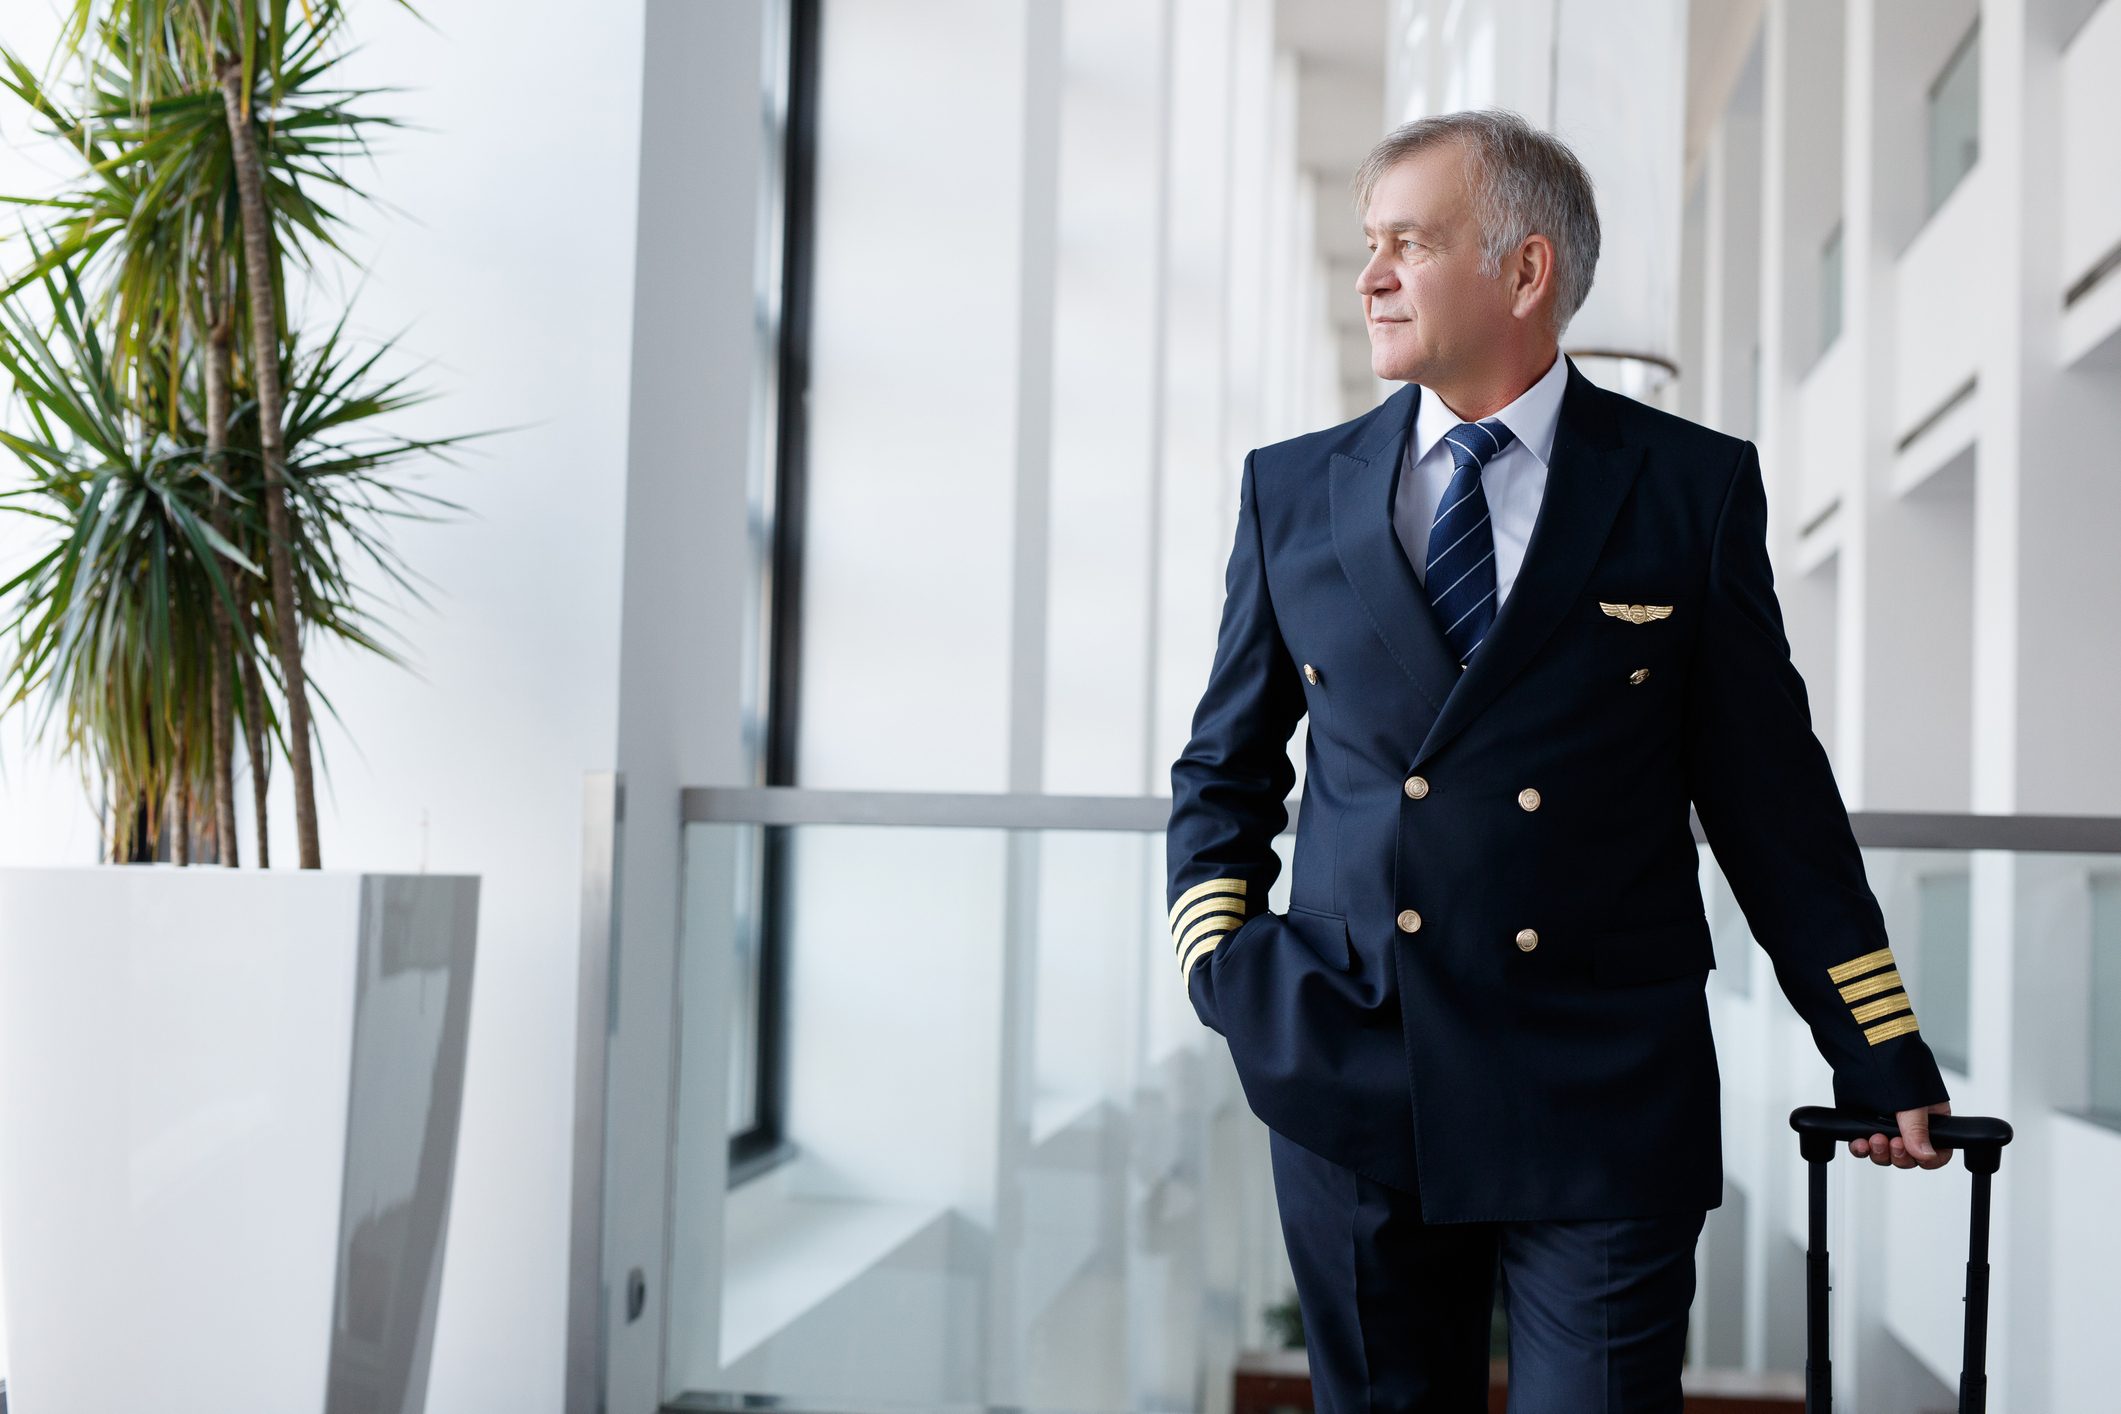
[1881, 1151]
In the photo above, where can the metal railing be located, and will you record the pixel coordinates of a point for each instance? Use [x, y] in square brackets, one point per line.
[799, 805]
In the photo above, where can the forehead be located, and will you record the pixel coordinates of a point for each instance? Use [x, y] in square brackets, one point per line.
[1424, 190]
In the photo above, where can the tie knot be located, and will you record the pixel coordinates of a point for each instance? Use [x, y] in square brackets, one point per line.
[1473, 443]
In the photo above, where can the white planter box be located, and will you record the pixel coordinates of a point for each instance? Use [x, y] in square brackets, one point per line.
[228, 1122]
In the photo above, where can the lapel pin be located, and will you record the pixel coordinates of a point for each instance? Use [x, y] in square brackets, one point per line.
[1637, 613]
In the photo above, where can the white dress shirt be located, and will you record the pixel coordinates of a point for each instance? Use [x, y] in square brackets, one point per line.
[1513, 480]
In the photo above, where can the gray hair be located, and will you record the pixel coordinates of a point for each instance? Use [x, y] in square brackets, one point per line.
[1522, 181]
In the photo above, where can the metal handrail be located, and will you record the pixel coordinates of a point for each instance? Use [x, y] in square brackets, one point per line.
[801, 805]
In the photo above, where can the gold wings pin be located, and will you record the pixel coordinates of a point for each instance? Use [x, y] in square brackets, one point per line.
[1637, 613]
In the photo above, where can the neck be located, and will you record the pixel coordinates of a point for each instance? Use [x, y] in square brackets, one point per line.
[1488, 390]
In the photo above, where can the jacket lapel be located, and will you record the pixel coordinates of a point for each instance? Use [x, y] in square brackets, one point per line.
[1362, 485]
[1589, 474]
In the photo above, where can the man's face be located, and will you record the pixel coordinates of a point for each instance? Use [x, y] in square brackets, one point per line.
[1430, 311]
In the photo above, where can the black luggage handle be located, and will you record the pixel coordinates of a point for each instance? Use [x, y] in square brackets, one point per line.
[1980, 1139]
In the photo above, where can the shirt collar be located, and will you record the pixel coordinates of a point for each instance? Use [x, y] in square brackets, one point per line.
[1531, 416]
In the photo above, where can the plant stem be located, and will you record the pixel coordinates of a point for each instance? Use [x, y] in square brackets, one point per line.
[218, 362]
[265, 357]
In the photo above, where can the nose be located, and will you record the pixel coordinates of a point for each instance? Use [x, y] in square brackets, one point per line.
[1375, 274]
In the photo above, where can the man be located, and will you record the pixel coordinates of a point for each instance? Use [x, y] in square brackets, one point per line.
[1530, 620]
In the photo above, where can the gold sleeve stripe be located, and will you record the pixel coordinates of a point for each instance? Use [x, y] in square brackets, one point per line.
[1204, 927]
[1869, 961]
[1884, 1006]
[1887, 1030]
[1871, 986]
[1201, 890]
[1221, 903]
[1205, 946]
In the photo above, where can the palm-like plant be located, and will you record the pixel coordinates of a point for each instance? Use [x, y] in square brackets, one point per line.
[188, 53]
[179, 456]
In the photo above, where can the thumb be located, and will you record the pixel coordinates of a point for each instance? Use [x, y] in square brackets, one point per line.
[1915, 1129]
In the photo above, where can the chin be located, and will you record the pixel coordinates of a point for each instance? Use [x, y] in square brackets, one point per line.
[1395, 369]
[1394, 363]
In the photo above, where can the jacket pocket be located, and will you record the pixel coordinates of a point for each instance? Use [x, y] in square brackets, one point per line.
[1325, 934]
[1655, 952]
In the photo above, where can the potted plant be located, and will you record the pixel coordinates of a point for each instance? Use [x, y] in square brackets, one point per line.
[229, 1097]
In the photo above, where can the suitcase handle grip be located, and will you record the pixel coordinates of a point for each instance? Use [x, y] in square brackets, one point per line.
[1981, 1136]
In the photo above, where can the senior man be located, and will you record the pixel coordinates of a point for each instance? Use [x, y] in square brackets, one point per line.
[1531, 621]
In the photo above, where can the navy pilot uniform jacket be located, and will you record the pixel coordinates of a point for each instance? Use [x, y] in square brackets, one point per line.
[1489, 985]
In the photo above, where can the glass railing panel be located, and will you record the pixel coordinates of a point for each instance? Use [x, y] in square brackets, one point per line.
[999, 1110]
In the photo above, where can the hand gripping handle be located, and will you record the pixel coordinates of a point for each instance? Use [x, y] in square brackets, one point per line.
[1979, 1136]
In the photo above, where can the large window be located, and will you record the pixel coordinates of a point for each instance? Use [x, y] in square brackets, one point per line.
[1955, 119]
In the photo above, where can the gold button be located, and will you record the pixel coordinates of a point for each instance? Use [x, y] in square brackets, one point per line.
[1526, 940]
[1409, 921]
[1639, 675]
[1528, 798]
[1416, 787]
[1310, 673]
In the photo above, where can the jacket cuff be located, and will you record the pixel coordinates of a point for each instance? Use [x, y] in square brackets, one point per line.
[1905, 1078]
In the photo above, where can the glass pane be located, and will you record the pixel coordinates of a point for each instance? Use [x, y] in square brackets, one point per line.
[1955, 119]
[2105, 1087]
[721, 913]
[1943, 954]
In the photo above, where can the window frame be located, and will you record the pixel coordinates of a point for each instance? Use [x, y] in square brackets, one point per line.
[763, 1144]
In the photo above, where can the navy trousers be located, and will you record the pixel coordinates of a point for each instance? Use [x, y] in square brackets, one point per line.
[1396, 1312]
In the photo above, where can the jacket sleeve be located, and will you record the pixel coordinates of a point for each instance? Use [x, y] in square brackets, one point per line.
[1774, 818]
[1230, 785]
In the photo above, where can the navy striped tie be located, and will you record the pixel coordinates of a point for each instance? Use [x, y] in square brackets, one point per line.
[1461, 575]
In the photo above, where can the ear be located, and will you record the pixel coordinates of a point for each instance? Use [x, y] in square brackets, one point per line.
[1531, 283]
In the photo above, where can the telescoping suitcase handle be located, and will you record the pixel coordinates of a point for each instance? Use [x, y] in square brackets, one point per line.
[1820, 1131]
